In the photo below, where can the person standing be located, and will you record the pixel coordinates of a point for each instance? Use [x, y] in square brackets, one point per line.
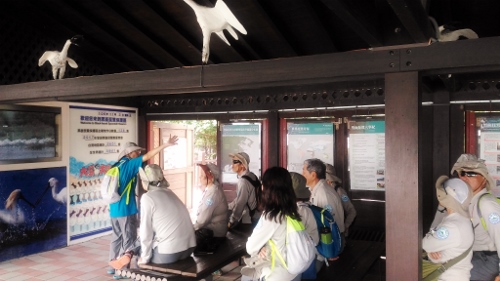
[453, 236]
[124, 212]
[485, 214]
[336, 183]
[244, 207]
[322, 195]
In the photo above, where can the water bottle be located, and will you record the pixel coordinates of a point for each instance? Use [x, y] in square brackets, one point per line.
[326, 235]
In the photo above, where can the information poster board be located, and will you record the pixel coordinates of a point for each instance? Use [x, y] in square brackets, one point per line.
[489, 143]
[240, 138]
[309, 140]
[367, 155]
[97, 136]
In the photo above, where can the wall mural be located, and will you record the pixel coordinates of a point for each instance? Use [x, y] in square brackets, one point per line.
[32, 211]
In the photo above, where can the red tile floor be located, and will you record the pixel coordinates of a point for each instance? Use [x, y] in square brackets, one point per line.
[84, 261]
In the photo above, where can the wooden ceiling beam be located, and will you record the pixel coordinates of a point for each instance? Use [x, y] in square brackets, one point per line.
[414, 18]
[440, 58]
[357, 24]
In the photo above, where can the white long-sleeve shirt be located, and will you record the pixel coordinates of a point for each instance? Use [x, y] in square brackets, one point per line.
[323, 196]
[486, 240]
[165, 224]
[452, 237]
[262, 233]
[212, 211]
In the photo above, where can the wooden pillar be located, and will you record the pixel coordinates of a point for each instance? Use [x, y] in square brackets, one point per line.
[403, 180]
[270, 141]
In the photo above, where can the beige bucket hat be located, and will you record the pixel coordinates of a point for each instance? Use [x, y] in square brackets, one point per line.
[241, 156]
[470, 163]
[128, 148]
[331, 175]
[152, 177]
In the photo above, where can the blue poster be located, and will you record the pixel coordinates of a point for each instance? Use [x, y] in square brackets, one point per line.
[33, 207]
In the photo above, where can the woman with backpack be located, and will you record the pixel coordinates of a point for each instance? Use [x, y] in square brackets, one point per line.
[278, 202]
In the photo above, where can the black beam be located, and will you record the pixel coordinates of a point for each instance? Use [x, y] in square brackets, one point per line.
[414, 18]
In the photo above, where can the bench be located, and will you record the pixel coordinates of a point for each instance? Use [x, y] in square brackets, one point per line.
[195, 267]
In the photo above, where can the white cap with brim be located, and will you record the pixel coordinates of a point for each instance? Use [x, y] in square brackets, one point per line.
[454, 194]
[128, 148]
[242, 157]
[470, 163]
[152, 177]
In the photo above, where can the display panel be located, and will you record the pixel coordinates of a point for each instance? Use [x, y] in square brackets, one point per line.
[29, 134]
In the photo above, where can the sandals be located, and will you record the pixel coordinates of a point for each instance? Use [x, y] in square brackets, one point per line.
[122, 261]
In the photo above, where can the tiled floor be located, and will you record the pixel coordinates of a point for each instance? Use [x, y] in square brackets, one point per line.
[84, 261]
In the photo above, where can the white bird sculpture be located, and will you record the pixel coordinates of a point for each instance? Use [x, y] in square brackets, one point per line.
[58, 59]
[215, 20]
[444, 34]
[62, 195]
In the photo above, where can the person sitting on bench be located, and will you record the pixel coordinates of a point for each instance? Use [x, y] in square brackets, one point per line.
[166, 232]
[211, 218]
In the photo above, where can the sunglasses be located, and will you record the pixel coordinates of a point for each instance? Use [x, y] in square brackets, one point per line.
[468, 174]
[237, 162]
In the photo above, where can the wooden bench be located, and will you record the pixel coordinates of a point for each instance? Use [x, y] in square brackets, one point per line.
[195, 267]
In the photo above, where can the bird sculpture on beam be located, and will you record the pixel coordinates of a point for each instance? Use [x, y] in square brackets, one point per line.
[446, 33]
[215, 20]
[58, 59]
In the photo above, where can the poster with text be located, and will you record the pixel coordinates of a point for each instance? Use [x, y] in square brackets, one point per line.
[367, 155]
[33, 206]
[309, 140]
[97, 136]
[489, 143]
[240, 138]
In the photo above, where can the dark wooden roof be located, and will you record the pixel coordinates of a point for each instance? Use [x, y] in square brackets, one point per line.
[136, 35]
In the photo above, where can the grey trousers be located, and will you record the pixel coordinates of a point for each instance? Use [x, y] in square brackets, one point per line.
[123, 236]
[485, 266]
[161, 258]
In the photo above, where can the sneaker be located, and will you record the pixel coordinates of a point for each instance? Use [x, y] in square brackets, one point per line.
[111, 270]
[118, 277]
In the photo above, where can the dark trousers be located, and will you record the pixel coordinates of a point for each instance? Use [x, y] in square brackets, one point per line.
[485, 266]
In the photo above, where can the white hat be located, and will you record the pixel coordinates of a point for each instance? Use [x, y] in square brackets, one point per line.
[242, 157]
[128, 148]
[454, 194]
[331, 175]
[470, 163]
[212, 169]
[152, 177]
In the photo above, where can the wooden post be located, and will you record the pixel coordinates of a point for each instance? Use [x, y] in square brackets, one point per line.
[403, 180]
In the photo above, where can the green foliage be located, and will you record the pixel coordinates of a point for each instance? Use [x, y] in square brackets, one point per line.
[205, 135]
